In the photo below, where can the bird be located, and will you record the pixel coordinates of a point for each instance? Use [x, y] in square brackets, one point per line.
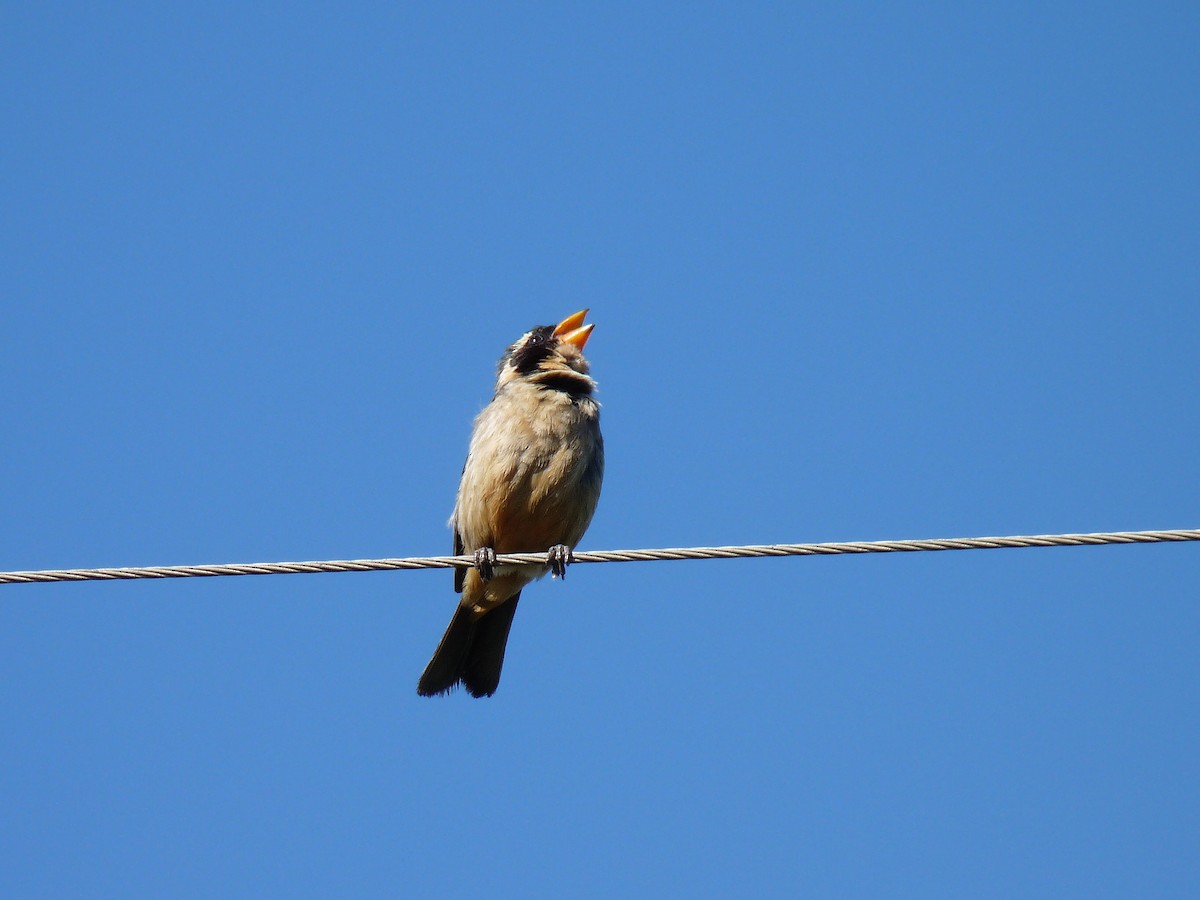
[531, 482]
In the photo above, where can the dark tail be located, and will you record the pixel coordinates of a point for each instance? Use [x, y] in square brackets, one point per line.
[471, 652]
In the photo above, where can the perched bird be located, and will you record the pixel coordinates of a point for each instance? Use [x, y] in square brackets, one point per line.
[530, 483]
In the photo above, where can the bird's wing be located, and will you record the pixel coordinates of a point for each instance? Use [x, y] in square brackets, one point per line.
[459, 572]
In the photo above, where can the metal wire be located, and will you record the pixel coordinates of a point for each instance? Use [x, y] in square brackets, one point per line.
[599, 556]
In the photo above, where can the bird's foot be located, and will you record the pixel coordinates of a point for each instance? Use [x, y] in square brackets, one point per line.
[485, 562]
[559, 557]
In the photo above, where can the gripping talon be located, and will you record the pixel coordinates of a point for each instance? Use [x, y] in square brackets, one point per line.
[559, 557]
[485, 562]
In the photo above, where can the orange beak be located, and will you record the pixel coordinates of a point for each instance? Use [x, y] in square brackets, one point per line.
[573, 331]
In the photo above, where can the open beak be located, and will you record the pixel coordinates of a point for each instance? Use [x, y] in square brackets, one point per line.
[573, 331]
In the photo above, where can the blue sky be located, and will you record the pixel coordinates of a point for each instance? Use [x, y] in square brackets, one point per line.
[858, 272]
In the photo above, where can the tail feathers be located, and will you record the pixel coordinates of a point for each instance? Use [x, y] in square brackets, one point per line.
[471, 652]
[481, 672]
[445, 669]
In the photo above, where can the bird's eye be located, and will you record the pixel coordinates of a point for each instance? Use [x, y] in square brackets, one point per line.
[532, 349]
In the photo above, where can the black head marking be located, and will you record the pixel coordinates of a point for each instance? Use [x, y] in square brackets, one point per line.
[529, 353]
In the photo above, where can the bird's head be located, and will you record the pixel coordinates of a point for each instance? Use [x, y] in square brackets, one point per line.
[550, 355]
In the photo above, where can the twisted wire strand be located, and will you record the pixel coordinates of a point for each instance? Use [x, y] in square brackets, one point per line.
[601, 556]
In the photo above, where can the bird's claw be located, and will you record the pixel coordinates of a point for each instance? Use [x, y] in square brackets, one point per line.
[559, 556]
[485, 562]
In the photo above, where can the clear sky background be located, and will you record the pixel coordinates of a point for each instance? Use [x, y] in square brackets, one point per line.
[858, 272]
